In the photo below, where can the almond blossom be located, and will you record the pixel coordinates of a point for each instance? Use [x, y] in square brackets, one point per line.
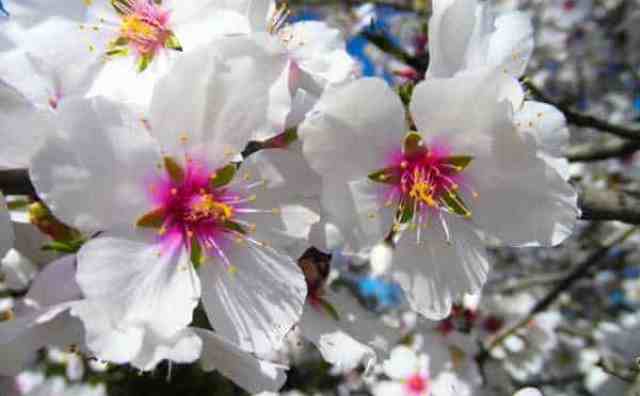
[177, 220]
[436, 192]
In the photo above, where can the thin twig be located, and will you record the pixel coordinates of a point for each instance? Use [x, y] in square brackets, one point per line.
[576, 274]
[584, 120]
[597, 152]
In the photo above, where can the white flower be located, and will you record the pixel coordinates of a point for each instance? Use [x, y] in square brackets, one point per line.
[465, 174]
[409, 374]
[43, 318]
[467, 34]
[317, 55]
[173, 202]
[343, 331]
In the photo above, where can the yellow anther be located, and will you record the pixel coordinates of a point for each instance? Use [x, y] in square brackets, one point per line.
[162, 231]
[132, 25]
[275, 211]
[208, 208]
[232, 270]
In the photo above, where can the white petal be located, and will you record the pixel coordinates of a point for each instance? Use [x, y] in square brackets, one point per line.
[55, 284]
[292, 189]
[210, 78]
[350, 340]
[389, 388]
[511, 44]
[94, 174]
[252, 374]
[183, 347]
[450, 29]
[255, 304]
[435, 273]
[138, 286]
[353, 129]
[23, 128]
[319, 50]
[528, 392]
[463, 110]
[546, 125]
[358, 209]
[18, 270]
[6, 228]
[521, 199]
[402, 363]
[22, 337]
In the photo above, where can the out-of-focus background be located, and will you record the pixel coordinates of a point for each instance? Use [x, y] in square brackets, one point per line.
[564, 320]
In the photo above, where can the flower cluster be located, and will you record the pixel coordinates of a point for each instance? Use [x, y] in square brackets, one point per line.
[207, 167]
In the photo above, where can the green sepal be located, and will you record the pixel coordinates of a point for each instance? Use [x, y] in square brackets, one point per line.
[144, 62]
[459, 161]
[233, 226]
[329, 309]
[405, 212]
[197, 254]
[153, 219]
[387, 175]
[222, 176]
[173, 43]
[119, 42]
[174, 169]
[454, 203]
[412, 144]
[65, 247]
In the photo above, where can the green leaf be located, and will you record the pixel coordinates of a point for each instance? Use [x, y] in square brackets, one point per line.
[174, 169]
[330, 309]
[459, 161]
[144, 62]
[222, 176]
[153, 219]
[197, 254]
[389, 175]
[412, 144]
[454, 203]
[173, 43]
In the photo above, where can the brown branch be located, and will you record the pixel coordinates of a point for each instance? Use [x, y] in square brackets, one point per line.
[604, 205]
[577, 273]
[599, 152]
[584, 120]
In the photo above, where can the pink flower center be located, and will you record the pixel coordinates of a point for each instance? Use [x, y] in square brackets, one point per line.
[418, 385]
[144, 25]
[424, 181]
[199, 208]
